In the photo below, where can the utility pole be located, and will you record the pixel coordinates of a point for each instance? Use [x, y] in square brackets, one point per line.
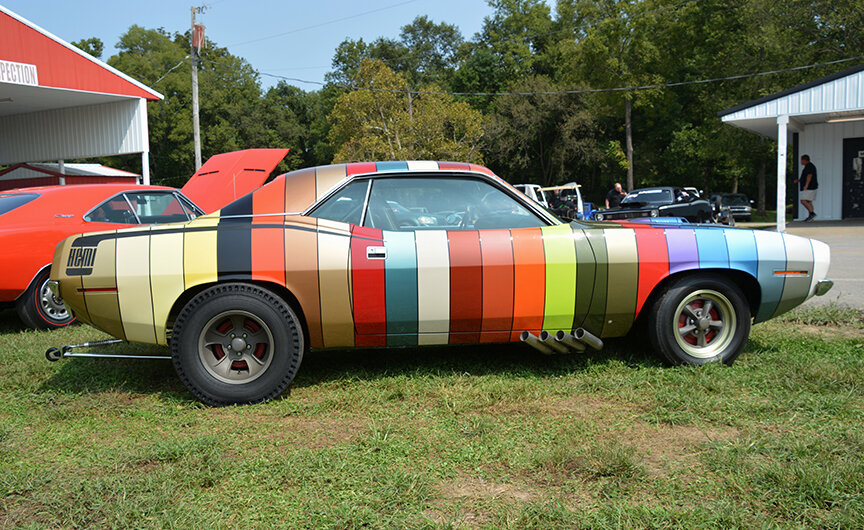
[196, 128]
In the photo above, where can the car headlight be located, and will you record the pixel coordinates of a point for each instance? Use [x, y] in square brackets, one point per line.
[655, 213]
[426, 220]
[599, 216]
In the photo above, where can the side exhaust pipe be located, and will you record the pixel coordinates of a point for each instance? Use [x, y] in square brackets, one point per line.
[534, 342]
[587, 338]
[570, 341]
[549, 340]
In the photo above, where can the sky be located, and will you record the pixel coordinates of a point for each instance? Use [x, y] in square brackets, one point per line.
[287, 38]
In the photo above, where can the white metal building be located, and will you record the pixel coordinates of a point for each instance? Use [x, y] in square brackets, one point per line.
[59, 103]
[826, 120]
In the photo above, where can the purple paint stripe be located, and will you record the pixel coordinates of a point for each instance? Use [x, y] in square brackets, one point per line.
[683, 252]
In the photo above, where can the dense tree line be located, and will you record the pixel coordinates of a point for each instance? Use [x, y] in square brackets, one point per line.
[499, 97]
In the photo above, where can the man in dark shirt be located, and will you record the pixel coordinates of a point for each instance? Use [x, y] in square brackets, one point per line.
[808, 183]
[615, 195]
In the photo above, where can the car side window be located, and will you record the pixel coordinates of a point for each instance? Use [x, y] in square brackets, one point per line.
[346, 205]
[412, 203]
[114, 210]
[157, 208]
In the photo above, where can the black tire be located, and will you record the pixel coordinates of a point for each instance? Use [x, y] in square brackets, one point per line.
[233, 317]
[38, 308]
[682, 334]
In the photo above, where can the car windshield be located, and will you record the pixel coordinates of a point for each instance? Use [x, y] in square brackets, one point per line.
[648, 197]
[736, 200]
[10, 201]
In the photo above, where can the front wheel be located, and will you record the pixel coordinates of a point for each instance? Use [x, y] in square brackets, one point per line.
[700, 319]
[38, 308]
[237, 343]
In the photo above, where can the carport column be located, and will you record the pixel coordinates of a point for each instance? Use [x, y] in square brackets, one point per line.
[782, 125]
[145, 168]
[61, 168]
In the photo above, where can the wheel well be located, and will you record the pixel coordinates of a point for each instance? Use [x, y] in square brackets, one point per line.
[747, 283]
[279, 290]
[30, 283]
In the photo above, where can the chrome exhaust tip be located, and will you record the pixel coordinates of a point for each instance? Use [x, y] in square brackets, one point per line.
[570, 341]
[549, 340]
[532, 340]
[587, 338]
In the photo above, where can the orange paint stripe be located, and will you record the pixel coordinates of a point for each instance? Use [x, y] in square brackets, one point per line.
[529, 281]
[497, 255]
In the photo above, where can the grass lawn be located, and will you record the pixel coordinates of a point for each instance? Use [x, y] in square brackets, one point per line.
[494, 436]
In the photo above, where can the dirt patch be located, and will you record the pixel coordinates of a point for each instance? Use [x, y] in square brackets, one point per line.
[841, 332]
[668, 448]
[293, 431]
[468, 499]
[582, 407]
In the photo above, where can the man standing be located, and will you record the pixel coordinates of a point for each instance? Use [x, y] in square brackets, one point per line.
[615, 195]
[808, 183]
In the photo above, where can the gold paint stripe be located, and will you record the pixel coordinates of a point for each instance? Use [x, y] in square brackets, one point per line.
[328, 176]
[199, 253]
[337, 321]
[133, 288]
[166, 277]
[623, 281]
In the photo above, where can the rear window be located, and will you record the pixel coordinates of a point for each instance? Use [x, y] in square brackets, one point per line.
[10, 201]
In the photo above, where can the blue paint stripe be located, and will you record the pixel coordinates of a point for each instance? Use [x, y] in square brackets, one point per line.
[772, 256]
[712, 248]
[391, 166]
[400, 281]
[742, 251]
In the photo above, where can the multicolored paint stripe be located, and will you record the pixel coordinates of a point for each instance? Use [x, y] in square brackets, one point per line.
[364, 287]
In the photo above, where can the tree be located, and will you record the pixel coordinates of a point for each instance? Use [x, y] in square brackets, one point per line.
[93, 46]
[425, 53]
[544, 138]
[383, 120]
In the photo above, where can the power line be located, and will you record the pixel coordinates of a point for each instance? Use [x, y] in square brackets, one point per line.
[560, 92]
[324, 23]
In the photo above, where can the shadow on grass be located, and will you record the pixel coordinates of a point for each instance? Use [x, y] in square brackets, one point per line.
[92, 376]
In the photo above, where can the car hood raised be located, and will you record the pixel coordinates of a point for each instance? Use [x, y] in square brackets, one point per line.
[226, 177]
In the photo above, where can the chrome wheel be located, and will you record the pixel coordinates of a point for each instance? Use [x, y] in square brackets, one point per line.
[704, 323]
[52, 307]
[235, 347]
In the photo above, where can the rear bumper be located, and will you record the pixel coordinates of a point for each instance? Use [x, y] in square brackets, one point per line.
[822, 287]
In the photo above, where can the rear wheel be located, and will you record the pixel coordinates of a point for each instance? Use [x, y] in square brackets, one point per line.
[700, 319]
[237, 343]
[38, 308]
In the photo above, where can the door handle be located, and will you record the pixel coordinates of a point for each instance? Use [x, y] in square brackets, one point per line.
[376, 253]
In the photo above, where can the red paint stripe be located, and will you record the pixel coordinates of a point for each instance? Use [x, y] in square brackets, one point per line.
[368, 288]
[529, 281]
[454, 166]
[360, 167]
[653, 262]
[268, 244]
[481, 169]
[99, 290]
[497, 256]
[466, 287]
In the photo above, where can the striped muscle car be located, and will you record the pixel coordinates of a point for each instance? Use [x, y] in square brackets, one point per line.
[416, 253]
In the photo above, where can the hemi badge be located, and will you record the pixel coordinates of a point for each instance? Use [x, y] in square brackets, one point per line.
[791, 273]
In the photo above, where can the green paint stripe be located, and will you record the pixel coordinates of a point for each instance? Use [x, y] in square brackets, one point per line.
[597, 310]
[586, 268]
[560, 255]
[623, 282]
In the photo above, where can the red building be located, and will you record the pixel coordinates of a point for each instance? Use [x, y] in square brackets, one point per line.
[59, 103]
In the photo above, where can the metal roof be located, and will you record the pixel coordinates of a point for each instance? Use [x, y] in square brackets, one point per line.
[835, 96]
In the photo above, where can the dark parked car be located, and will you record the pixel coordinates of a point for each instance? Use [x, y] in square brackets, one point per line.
[659, 202]
[738, 204]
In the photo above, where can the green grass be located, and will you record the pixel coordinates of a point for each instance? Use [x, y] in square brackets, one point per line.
[493, 436]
